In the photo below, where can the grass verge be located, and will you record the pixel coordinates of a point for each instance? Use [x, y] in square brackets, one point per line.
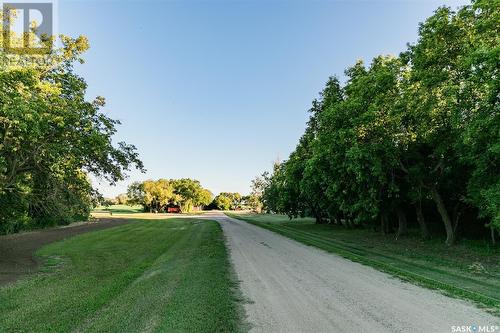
[147, 276]
[466, 271]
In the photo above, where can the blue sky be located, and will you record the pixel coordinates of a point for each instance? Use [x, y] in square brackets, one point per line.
[217, 90]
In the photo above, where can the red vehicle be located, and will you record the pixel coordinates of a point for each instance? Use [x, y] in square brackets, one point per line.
[173, 210]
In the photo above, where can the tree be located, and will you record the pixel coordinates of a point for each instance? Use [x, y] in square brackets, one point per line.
[158, 194]
[228, 201]
[51, 138]
[191, 194]
[254, 200]
[452, 95]
[122, 199]
[135, 193]
[480, 139]
[222, 202]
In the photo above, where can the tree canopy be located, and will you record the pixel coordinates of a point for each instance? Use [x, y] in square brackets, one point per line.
[228, 201]
[157, 195]
[411, 135]
[52, 138]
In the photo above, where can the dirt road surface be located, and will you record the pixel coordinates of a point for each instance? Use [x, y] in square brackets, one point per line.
[17, 251]
[296, 288]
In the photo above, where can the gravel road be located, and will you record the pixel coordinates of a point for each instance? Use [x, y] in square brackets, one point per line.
[292, 287]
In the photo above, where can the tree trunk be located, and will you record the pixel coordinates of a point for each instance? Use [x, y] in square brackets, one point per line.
[402, 223]
[334, 218]
[450, 235]
[383, 224]
[455, 222]
[493, 241]
[421, 221]
[319, 220]
[318, 216]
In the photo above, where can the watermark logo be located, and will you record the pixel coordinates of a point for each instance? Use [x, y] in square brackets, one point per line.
[475, 329]
[28, 27]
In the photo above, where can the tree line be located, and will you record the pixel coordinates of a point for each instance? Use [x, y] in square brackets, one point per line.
[409, 139]
[52, 138]
[158, 195]
[234, 201]
[186, 194]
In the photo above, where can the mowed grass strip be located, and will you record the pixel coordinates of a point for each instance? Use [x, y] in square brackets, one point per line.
[427, 263]
[168, 275]
[119, 209]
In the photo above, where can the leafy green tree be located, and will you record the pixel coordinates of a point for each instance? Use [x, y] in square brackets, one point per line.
[135, 194]
[51, 137]
[222, 202]
[228, 201]
[122, 199]
[191, 194]
[155, 196]
[479, 105]
[158, 194]
[254, 199]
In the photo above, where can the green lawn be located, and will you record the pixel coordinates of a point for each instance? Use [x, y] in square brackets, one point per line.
[469, 270]
[119, 209]
[169, 275]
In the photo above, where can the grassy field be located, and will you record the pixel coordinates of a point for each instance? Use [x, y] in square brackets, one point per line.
[170, 275]
[138, 210]
[469, 270]
[119, 209]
